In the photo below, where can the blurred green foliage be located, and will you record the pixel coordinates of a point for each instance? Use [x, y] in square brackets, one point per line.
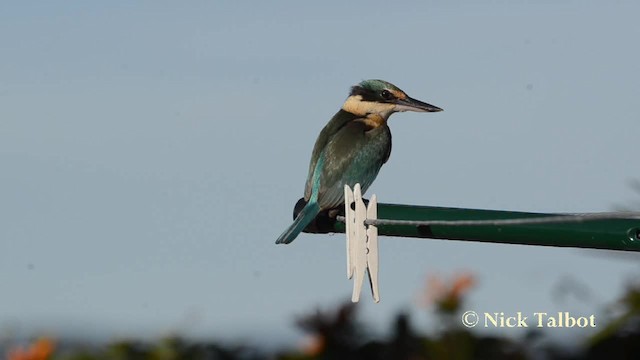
[337, 334]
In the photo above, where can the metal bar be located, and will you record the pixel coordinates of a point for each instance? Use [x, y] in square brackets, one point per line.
[616, 234]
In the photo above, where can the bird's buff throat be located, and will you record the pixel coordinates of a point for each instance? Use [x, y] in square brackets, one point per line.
[373, 114]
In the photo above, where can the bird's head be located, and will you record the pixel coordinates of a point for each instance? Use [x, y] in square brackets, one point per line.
[378, 97]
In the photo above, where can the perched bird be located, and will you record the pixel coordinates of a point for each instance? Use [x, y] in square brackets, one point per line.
[351, 148]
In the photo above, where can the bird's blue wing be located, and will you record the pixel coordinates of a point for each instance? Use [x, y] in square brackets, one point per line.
[353, 155]
[337, 122]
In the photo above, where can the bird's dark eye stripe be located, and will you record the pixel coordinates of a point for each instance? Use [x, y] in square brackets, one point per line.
[386, 94]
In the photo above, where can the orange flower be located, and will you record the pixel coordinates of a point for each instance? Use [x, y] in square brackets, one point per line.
[448, 297]
[461, 284]
[41, 349]
[313, 345]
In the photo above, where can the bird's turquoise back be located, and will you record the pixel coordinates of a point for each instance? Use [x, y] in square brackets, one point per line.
[354, 154]
[337, 122]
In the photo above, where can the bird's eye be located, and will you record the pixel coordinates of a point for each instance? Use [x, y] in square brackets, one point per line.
[386, 94]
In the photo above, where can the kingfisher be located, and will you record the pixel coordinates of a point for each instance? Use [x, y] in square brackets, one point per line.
[351, 148]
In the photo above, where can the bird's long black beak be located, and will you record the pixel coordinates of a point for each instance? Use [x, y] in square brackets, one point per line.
[411, 104]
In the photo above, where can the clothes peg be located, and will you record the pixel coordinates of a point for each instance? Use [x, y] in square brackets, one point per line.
[362, 242]
[372, 248]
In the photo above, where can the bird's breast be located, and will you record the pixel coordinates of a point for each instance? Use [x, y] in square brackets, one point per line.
[373, 121]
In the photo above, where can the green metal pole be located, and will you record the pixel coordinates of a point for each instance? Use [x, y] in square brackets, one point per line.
[616, 234]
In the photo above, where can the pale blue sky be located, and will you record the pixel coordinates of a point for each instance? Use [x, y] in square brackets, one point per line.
[152, 152]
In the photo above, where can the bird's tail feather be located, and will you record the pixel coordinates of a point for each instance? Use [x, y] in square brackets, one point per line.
[304, 218]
